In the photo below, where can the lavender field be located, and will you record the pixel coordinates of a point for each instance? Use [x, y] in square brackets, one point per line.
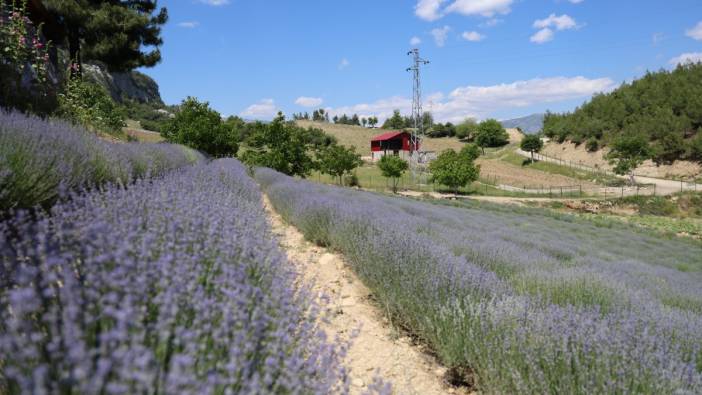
[171, 285]
[518, 300]
[40, 160]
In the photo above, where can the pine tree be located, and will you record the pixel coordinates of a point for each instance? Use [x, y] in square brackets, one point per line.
[111, 31]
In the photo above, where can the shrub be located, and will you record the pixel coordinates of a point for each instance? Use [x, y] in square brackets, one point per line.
[491, 133]
[453, 169]
[199, 127]
[592, 145]
[171, 286]
[89, 105]
[337, 160]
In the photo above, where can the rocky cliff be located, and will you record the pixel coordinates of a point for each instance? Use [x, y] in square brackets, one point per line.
[125, 86]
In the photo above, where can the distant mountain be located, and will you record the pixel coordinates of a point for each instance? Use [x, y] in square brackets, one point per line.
[531, 124]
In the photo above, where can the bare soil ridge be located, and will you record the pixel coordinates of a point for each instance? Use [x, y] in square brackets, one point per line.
[377, 348]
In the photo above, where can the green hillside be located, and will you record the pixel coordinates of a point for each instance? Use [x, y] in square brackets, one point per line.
[665, 107]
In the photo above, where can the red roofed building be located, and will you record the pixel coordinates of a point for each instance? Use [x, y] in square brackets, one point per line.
[395, 142]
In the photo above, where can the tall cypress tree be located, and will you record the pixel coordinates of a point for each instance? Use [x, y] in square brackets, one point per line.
[114, 32]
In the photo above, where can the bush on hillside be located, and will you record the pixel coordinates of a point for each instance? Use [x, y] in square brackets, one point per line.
[491, 133]
[90, 106]
[199, 127]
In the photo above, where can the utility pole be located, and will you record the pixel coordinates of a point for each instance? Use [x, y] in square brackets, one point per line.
[417, 114]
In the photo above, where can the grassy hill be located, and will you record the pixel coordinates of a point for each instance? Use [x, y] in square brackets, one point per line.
[665, 107]
[360, 137]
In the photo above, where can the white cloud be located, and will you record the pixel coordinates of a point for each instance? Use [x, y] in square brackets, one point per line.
[563, 22]
[483, 101]
[189, 24]
[690, 57]
[309, 101]
[265, 108]
[542, 36]
[486, 8]
[472, 36]
[440, 35]
[695, 32]
[430, 10]
[657, 38]
[215, 2]
[414, 41]
[344, 64]
[545, 34]
[576, 1]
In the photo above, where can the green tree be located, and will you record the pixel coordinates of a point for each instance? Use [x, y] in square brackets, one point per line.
[455, 170]
[281, 146]
[696, 147]
[113, 32]
[627, 153]
[491, 133]
[200, 127]
[532, 143]
[466, 129]
[395, 122]
[337, 160]
[471, 151]
[392, 166]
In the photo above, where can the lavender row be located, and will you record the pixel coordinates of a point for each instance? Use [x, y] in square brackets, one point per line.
[40, 159]
[518, 300]
[172, 285]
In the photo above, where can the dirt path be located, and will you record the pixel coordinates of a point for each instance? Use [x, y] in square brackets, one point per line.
[377, 347]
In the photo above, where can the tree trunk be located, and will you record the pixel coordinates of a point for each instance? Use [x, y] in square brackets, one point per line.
[532, 156]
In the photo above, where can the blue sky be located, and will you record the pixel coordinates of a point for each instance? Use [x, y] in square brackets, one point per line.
[489, 58]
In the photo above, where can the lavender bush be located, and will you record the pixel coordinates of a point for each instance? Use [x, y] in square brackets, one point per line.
[172, 285]
[40, 159]
[518, 300]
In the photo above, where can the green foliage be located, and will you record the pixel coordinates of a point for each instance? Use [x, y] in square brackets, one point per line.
[466, 129]
[532, 143]
[198, 126]
[652, 205]
[113, 32]
[283, 146]
[696, 146]
[471, 151]
[592, 145]
[442, 130]
[396, 122]
[491, 133]
[392, 166]
[665, 107]
[24, 62]
[628, 152]
[90, 105]
[453, 169]
[337, 160]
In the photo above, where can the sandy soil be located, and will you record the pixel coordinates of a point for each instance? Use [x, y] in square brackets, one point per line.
[377, 348]
[578, 154]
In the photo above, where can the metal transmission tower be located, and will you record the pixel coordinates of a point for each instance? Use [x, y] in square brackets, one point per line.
[417, 114]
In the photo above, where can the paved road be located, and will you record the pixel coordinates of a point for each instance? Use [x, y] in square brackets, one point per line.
[663, 187]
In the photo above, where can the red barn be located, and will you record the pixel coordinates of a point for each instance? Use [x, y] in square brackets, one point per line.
[397, 142]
